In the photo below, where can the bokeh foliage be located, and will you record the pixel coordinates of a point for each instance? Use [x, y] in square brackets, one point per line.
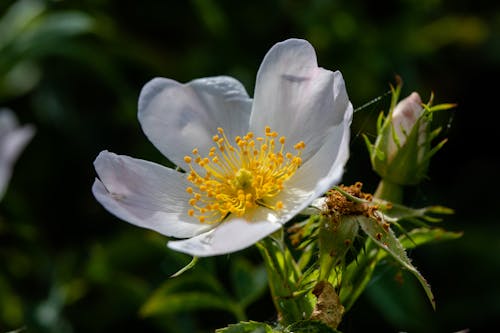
[75, 68]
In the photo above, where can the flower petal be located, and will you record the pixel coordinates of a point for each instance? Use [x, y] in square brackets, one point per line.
[179, 117]
[145, 194]
[318, 174]
[295, 97]
[230, 236]
[326, 167]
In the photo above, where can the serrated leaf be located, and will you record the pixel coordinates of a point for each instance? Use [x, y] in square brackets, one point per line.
[247, 327]
[310, 326]
[382, 235]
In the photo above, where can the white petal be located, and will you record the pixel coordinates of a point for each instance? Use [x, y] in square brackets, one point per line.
[145, 194]
[230, 236]
[318, 174]
[13, 140]
[295, 97]
[325, 169]
[179, 117]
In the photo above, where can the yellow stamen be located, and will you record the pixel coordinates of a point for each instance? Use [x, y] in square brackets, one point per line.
[240, 175]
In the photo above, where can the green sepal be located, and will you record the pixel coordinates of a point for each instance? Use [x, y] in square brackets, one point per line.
[409, 164]
[335, 239]
[292, 302]
[358, 274]
[440, 107]
[384, 237]
[191, 264]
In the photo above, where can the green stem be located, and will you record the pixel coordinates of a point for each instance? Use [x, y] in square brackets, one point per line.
[283, 274]
[389, 191]
[239, 313]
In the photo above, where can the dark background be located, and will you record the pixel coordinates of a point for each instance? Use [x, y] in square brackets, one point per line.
[74, 69]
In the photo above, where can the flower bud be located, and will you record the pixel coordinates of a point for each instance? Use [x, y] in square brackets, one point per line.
[404, 118]
[402, 149]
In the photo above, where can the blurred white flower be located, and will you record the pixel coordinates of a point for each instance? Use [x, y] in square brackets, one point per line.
[250, 165]
[13, 139]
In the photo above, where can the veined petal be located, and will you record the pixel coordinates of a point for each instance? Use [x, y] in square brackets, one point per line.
[145, 194]
[179, 117]
[295, 97]
[230, 236]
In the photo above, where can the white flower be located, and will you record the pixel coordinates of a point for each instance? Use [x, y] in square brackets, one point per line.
[251, 165]
[13, 139]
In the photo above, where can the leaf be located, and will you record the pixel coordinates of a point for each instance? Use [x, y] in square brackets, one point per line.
[421, 236]
[398, 298]
[247, 327]
[185, 301]
[310, 326]
[181, 294]
[382, 235]
[396, 212]
[249, 282]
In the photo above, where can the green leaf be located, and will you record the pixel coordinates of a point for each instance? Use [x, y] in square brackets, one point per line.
[17, 18]
[382, 235]
[247, 327]
[395, 212]
[398, 298]
[185, 301]
[180, 294]
[309, 326]
[249, 282]
[421, 236]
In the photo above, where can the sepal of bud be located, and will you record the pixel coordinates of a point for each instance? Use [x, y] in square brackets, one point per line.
[402, 150]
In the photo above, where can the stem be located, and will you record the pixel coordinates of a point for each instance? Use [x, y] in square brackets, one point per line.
[283, 274]
[389, 191]
[239, 313]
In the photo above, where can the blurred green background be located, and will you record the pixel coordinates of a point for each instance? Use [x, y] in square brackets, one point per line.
[74, 69]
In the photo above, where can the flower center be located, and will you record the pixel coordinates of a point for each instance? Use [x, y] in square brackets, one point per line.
[237, 177]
